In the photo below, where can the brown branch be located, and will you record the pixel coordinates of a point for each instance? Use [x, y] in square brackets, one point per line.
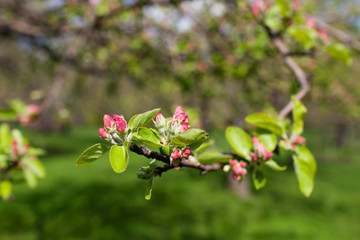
[295, 69]
[143, 150]
[340, 35]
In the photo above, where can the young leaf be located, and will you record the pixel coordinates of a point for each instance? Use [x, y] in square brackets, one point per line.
[5, 189]
[91, 154]
[189, 137]
[7, 115]
[205, 146]
[30, 178]
[148, 188]
[274, 166]
[149, 137]
[264, 121]
[239, 141]
[142, 119]
[268, 140]
[213, 156]
[258, 178]
[340, 52]
[119, 157]
[35, 166]
[298, 113]
[305, 167]
[165, 150]
[5, 138]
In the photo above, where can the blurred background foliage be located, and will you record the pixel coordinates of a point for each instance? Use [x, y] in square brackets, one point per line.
[81, 59]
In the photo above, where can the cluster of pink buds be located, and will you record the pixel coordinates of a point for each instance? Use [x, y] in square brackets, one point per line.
[180, 121]
[259, 6]
[298, 141]
[114, 128]
[32, 111]
[260, 152]
[18, 149]
[179, 154]
[310, 22]
[238, 169]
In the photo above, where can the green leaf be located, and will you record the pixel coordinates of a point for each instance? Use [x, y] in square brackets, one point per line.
[165, 150]
[269, 141]
[119, 157]
[265, 121]
[239, 141]
[304, 35]
[5, 189]
[7, 115]
[298, 113]
[205, 146]
[339, 52]
[258, 178]
[149, 137]
[17, 136]
[213, 156]
[5, 138]
[30, 178]
[35, 166]
[189, 137]
[148, 189]
[305, 168]
[17, 105]
[91, 154]
[142, 119]
[274, 166]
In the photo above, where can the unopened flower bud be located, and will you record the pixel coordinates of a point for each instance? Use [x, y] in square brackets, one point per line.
[176, 154]
[120, 123]
[255, 140]
[253, 156]
[233, 162]
[103, 133]
[299, 140]
[243, 172]
[226, 168]
[186, 153]
[236, 177]
[159, 121]
[242, 164]
[108, 121]
[32, 109]
[236, 169]
[310, 22]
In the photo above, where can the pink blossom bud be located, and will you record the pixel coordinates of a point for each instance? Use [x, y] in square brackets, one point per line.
[32, 109]
[242, 164]
[268, 155]
[159, 117]
[299, 140]
[253, 156]
[186, 153]
[236, 177]
[236, 169]
[120, 123]
[103, 133]
[179, 110]
[310, 22]
[243, 172]
[184, 127]
[255, 10]
[186, 120]
[14, 146]
[176, 154]
[255, 140]
[233, 162]
[108, 121]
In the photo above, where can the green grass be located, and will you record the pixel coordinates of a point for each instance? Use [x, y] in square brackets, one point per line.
[95, 203]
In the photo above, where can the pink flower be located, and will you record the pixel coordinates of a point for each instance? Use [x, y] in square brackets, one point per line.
[255, 140]
[242, 164]
[32, 109]
[176, 154]
[186, 153]
[103, 133]
[108, 121]
[233, 162]
[120, 123]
